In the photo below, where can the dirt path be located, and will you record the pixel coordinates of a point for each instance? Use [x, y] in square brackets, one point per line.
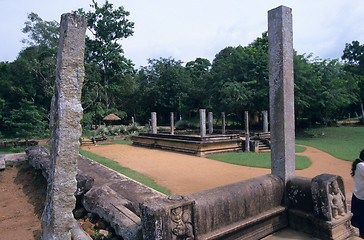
[325, 163]
[185, 174]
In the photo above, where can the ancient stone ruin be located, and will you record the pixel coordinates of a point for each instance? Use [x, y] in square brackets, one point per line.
[250, 209]
[65, 129]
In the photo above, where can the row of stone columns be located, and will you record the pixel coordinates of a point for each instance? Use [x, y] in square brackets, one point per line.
[210, 123]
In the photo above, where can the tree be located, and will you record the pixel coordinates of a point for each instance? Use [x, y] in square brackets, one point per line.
[353, 56]
[108, 27]
[164, 87]
[199, 71]
[41, 33]
[240, 78]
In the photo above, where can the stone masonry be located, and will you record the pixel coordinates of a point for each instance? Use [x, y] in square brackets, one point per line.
[281, 92]
[65, 129]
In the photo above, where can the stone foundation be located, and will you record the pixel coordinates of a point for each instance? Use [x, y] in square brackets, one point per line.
[196, 145]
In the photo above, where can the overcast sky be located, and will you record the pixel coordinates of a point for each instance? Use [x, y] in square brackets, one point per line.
[185, 30]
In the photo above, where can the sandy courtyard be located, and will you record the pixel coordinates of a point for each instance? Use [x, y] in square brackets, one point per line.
[185, 174]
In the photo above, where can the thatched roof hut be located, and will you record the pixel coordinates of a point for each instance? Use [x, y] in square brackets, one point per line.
[111, 117]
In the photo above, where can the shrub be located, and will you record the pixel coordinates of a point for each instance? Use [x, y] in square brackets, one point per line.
[102, 130]
[134, 127]
[184, 125]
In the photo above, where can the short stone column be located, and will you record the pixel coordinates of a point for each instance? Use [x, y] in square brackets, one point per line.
[154, 122]
[65, 129]
[265, 121]
[172, 123]
[281, 92]
[247, 135]
[223, 123]
[169, 218]
[211, 123]
[132, 120]
[203, 122]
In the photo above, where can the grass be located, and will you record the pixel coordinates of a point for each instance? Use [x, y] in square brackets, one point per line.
[261, 160]
[341, 142]
[125, 171]
[127, 142]
[12, 150]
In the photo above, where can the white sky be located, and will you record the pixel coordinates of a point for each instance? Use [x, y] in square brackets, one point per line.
[185, 30]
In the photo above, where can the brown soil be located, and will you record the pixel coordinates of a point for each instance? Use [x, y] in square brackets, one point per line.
[22, 189]
[185, 174]
[22, 194]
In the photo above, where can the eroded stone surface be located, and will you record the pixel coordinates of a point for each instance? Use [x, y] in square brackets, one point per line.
[65, 129]
[281, 92]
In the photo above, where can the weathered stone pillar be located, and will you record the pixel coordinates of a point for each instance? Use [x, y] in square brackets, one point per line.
[154, 122]
[247, 135]
[172, 123]
[281, 92]
[65, 129]
[132, 120]
[265, 121]
[223, 124]
[203, 122]
[211, 123]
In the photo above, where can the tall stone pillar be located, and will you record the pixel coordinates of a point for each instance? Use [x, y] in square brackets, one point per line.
[172, 123]
[203, 122]
[281, 92]
[65, 129]
[154, 122]
[265, 121]
[247, 135]
[223, 123]
[211, 123]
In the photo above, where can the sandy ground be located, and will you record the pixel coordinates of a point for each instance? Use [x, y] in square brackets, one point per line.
[185, 174]
[21, 202]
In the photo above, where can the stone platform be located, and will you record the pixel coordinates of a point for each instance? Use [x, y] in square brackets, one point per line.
[196, 145]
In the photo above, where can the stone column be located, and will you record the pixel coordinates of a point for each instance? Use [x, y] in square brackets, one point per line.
[132, 120]
[172, 123]
[223, 131]
[281, 92]
[203, 122]
[211, 123]
[265, 121]
[154, 122]
[65, 129]
[247, 138]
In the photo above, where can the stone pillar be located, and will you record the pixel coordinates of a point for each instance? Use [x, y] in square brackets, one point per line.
[132, 120]
[265, 121]
[281, 92]
[172, 123]
[203, 122]
[65, 129]
[247, 138]
[211, 123]
[154, 122]
[223, 131]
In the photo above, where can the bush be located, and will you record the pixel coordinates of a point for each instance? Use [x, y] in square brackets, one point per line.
[361, 120]
[102, 130]
[134, 127]
[184, 125]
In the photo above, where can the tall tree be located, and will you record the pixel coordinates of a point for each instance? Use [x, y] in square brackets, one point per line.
[108, 27]
[164, 86]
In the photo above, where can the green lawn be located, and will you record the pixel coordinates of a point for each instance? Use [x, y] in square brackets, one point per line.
[261, 160]
[341, 142]
[127, 142]
[12, 150]
[125, 171]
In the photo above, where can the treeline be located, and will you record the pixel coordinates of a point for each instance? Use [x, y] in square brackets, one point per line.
[236, 80]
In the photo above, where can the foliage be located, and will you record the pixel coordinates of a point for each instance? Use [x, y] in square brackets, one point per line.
[41, 33]
[184, 125]
[343, 142]
[104, 57]
[126, 171]
[164, 87]
[261, 160]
